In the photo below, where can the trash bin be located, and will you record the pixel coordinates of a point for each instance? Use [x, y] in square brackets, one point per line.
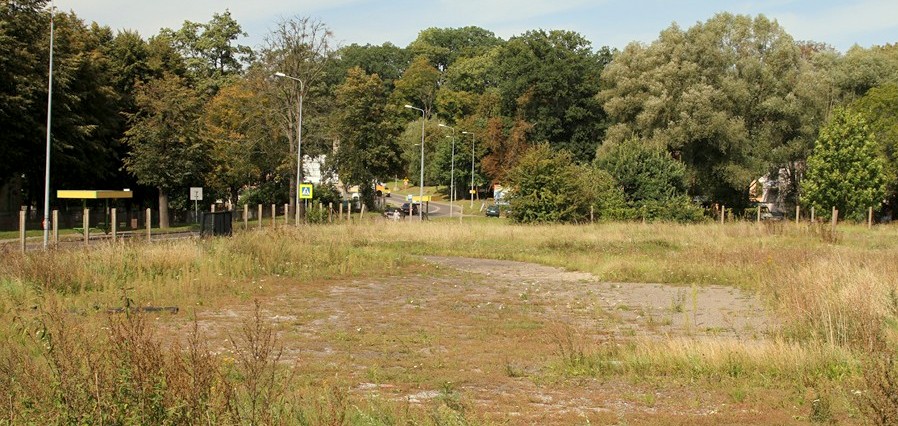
[216, 224]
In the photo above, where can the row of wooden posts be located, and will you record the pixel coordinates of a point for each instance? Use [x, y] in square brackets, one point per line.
[113, 222]
[834, 216]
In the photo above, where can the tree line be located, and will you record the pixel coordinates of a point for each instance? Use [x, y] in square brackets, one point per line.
[693, 117]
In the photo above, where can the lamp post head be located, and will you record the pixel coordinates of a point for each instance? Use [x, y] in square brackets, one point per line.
[408, 106]
[280, 74]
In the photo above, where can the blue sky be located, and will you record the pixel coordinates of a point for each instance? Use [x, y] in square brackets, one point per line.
[604, 22]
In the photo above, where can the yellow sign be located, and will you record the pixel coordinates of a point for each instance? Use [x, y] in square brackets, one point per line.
[417, 199]
[305, 191]
[472, 192]
[93, 194]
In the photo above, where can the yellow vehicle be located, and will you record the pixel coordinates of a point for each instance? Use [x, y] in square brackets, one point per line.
[381, 190]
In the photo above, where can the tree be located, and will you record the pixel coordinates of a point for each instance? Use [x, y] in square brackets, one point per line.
[209, 50]
[368, 150]
[299, 47]
[550, 79]
[844, 170]
[643, 172]
[879, 106]
[443, 46]
[418, 85]
[545, 186]
[720, 97]
[387, 61]
[166, 149]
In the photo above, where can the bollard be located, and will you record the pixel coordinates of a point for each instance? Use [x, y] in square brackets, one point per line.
[245, 217]
[149, 221]
[114, 224]
[55, 228]
[835, 220]
[22, 229]
[85, 220]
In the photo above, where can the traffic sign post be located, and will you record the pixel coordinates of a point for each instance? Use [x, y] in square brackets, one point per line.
[196, 195]
[305, 191]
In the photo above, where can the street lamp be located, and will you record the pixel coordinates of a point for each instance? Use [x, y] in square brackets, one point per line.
[421, 199]
[452, 173]
[472, 166]
[49, 110]
[298, 139]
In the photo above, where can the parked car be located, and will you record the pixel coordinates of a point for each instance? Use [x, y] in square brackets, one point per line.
[392, 212]
[405, 208]
[493, 210]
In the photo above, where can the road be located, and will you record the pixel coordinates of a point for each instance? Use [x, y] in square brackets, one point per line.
[436, 210]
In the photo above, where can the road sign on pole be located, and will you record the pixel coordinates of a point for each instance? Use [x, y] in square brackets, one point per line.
[196, 193]
[305, 191]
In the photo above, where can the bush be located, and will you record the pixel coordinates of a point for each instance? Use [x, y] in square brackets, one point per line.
[547, 187]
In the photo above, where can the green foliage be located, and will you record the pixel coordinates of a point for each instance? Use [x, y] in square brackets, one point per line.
[721, 96]
[549, 80]
[844, 170]
[369, 149]
[418, 85]
[546, 187]
[644, 173]
[444, 46]
[879, 108]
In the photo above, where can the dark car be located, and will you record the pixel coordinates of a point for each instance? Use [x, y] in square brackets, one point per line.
[493, 211]
[405, 208]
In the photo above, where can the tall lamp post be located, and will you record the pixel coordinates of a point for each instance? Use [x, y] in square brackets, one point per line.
[421, 199]
[298, 140]
[472, 166]
[49, 110]
[452, 173]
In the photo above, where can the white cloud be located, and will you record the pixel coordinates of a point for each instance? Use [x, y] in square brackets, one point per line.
[842, 24]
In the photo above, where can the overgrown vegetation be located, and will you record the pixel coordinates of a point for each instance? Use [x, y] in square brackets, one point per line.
[67, 358]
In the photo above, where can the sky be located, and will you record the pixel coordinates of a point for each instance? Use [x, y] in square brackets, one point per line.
[613, 23]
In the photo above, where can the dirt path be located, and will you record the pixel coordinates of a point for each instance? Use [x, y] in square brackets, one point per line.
[489, 330]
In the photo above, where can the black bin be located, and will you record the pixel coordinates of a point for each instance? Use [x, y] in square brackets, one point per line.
[216, 223]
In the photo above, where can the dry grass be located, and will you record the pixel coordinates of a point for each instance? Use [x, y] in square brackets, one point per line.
[832, 293]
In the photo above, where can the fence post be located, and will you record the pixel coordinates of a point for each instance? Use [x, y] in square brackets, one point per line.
[260, 216]
[85, 220]
[870, 218]
[274, 215]
[797, 213]
[362, 212]
[835, 220]
[812, 214]
[723, 210]
[592, 214]
[286, 214]
[245, 217]
[56, 228]
[341, 211]
[330, 212]
[22, 229]
[114, 225]
[149, 220]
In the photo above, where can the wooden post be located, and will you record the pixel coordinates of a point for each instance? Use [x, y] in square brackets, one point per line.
[260, 216]
[723, 210]
[246, 216]
[812, 214]
[286, 214]
[113, 228]
[85, 220]
[330, 212]
[274, 215]
[870, 218]
[149, 220]
[835, 219]
[341, 211]
[56, 228]
[362, 212]
[22, 229]
[759, 214]
[797, 213]
[592, 214]
[212, 209]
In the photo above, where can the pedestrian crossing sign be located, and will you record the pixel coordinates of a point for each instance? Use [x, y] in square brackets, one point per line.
[305, 191]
